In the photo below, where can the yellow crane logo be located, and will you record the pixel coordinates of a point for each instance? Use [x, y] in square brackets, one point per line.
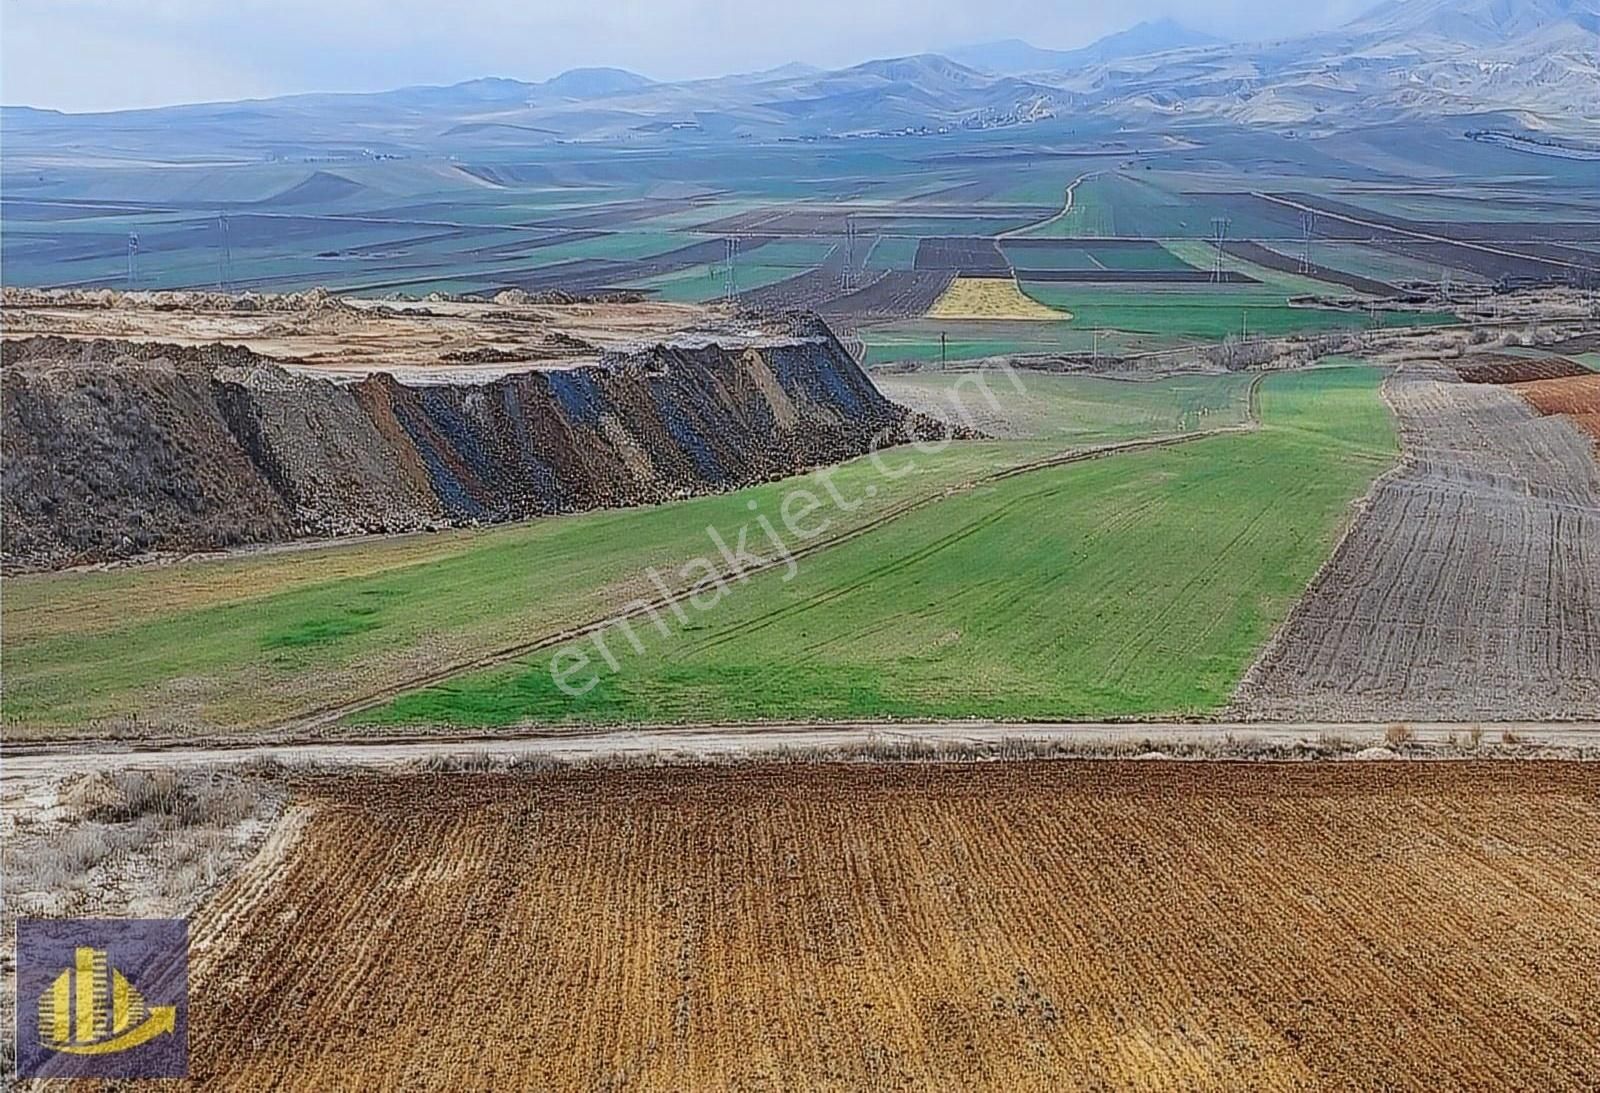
[92, 1009]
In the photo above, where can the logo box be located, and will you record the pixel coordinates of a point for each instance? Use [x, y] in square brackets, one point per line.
[102, 998]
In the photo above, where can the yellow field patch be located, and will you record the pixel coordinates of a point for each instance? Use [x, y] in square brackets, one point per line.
[990, 298]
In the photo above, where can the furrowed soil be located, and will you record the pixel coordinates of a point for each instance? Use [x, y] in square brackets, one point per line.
[1468, 587]
[1576, 398]
[1028, 925]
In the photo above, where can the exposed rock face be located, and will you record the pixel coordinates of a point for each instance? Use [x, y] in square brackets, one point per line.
[113, 449]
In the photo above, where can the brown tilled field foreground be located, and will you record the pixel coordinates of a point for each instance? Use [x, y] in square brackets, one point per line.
[1036, 925]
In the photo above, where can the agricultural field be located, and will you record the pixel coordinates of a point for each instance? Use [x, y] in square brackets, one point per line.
[1073, 409]
[1093, 605]
[248, 640]
[1043, 925]
[569, 219]
[893, 252]
[932, 340]
[251, 641]
[990, 298]
[1468, 586]
[1364, 260]
[1576, 398]
[1070, 569]
[1206, 312]
[1107, 256]
[1257, 303]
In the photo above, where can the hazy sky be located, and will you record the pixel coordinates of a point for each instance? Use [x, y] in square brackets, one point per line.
[110, 54]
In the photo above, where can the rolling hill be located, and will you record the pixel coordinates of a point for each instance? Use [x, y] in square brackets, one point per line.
[1018, 57]
[1533, 66]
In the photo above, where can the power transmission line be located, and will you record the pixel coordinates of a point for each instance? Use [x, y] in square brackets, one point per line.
[224, 254]
[847, 278]
[730, 278]
[1219, 235]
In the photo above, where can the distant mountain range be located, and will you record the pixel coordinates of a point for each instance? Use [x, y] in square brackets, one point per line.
[1529, 64]
[1017, 57]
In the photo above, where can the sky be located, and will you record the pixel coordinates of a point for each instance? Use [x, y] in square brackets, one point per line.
[123, 54]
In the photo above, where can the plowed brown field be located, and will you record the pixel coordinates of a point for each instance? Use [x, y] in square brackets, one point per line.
[1468, 584]
[1045, 925]
[1499, 368]
[1575, 397]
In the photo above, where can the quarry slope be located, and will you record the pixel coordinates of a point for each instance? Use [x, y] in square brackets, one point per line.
[113, 448]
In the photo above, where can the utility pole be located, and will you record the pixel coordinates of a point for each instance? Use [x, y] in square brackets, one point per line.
[847, 276]
[943, 353]
[224, 254]
[1308, 228]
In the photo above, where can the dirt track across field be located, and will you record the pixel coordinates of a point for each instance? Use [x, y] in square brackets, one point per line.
[1062, 925]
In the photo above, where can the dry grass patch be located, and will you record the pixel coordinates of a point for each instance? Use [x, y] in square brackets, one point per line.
[990, 298]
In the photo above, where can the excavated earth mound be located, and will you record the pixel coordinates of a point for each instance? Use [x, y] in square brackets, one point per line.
[113, 449]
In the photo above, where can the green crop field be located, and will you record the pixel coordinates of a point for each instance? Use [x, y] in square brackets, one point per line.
[1087, 255]
[974, 339]
[893, 252]
[1138, 584]
[1073, 409]
[1365, 260]
[245, 641]
[1205, 312]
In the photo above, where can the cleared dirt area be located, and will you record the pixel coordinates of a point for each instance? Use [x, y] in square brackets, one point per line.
[1469, 583]
[1044, 925]
[990, 298]
[343, 337]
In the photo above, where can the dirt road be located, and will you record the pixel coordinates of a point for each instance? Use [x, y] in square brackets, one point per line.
[723, 741]
[1066, 209]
